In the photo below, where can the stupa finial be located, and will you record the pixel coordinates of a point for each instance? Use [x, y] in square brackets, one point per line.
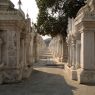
[19, 3]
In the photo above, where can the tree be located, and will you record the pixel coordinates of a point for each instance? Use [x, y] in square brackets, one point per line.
[53, 15]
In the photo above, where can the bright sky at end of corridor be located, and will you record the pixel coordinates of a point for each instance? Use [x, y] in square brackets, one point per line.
[46, 37]
[28, 6]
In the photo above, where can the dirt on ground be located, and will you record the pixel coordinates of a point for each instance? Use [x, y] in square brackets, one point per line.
[47, 78]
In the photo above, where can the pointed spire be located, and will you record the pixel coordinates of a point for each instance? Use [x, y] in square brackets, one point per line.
[19, 3]
[27, 15]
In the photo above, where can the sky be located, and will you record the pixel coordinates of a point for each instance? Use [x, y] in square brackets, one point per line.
[30, 7]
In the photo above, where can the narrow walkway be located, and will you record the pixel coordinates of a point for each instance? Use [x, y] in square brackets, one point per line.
[47, 79]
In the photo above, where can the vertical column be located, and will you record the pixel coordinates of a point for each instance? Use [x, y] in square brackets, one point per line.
[61, 47]
[23, 53]
[87, 50]
[78, 54]
[65, 51]
[35, 47]
[73, 55]
[87, 74]
[18, 47]
[0, 50]
[69, 55]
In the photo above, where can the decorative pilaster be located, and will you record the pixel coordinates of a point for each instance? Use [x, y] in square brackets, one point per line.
[78, 48]
[73, 55]
[69, 56]
[0, 50]
[87, 72]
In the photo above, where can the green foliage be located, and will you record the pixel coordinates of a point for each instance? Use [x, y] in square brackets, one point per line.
[71, 7]
[45, 3]
[53, 15]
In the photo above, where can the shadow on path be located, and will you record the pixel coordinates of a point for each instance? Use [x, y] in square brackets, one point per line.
[48, 63]
[41, 83]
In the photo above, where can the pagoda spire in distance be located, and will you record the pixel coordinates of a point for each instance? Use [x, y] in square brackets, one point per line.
[19, 3]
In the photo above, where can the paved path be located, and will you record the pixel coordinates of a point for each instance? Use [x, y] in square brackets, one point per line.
[47, 79]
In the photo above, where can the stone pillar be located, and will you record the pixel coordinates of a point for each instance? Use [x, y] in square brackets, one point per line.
[70, 68]
[87, 73]
[65, 51]
[0, 50]
[69, 56]
[78, 54]
[56, 46]
[22, 53]
[35, 48]
[62, 51]
[73, 56]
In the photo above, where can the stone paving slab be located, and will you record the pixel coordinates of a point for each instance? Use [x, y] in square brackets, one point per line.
[47, 80]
